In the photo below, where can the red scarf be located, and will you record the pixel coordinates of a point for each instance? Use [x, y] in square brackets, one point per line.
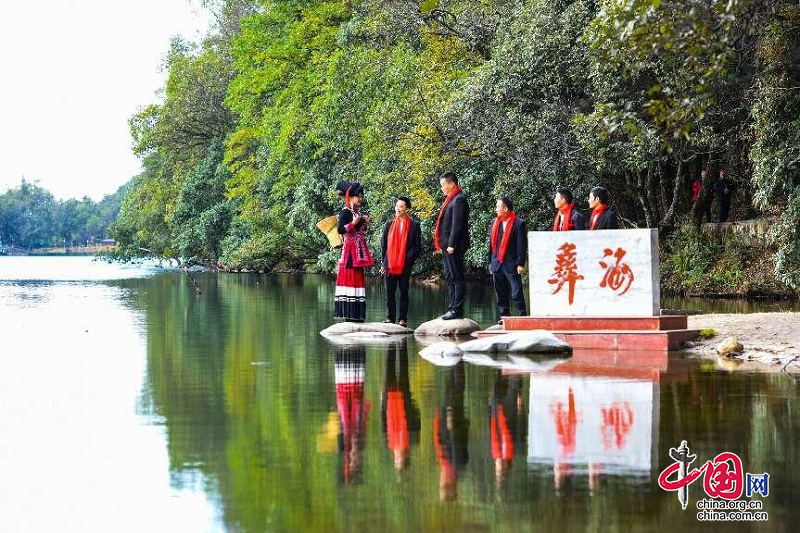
[396, 247]
[596, 213]
[566, 212]
[437, 247]
[510, 217]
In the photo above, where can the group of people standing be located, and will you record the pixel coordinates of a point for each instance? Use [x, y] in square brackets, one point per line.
[722, 188]
[401, 246]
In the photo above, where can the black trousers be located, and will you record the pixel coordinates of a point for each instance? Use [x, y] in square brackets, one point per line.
[392, 283]
[454, 275]
[705, 212]
[509, 284]
[724, 204]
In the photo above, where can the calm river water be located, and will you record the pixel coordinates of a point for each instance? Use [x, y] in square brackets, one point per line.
[130, 403]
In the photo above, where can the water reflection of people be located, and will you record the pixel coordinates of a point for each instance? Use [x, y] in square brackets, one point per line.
[349, 371]
[450, 429]
[399, 412]
[504, 422]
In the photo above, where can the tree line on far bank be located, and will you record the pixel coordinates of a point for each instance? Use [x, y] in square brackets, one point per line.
[30, 217]
[283, 98]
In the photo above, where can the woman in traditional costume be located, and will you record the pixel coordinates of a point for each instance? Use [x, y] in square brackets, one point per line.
[350, 297]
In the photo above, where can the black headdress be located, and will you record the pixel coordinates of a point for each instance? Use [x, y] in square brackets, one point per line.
[355, 188]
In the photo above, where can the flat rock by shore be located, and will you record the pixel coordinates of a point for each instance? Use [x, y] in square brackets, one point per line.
[770, 340]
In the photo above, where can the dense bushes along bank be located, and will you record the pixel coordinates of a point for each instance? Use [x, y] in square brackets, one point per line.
[285, 97]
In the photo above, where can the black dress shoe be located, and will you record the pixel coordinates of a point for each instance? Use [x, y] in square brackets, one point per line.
[450, 315]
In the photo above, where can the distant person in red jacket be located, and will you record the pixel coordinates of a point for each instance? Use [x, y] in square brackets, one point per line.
[697, 189]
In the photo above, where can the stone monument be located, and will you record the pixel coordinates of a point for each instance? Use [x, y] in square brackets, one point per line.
[599, 289]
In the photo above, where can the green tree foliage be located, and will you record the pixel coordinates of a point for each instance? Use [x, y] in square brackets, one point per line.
[174, 139]
[203, 214]
[776, 129]
[31, 218]
[516, 96]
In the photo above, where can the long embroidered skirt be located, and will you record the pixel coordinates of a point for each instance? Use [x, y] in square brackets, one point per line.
[350, 300]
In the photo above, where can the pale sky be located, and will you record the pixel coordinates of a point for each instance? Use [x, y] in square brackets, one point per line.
[73, 72]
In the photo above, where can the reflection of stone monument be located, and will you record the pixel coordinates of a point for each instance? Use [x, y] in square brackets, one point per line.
[599, 289]
[597, 422]
[596, 415]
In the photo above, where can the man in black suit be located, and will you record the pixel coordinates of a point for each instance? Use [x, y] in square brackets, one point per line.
[452, 234]
[401, 245]
[603, 216]
[568, 218]
[723, 189]
[508, 249]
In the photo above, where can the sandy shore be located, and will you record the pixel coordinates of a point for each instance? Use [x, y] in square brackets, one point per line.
[770, 340]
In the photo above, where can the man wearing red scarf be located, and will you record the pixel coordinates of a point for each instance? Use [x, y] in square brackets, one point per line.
[603, 216]
[568, 218]
[451, 238]
[508, 250]
[401, 245]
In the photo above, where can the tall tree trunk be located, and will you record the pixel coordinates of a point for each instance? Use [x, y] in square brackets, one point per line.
[664, 175]
[652, 172]
[634, 185]
[648, 215]
[669, 216]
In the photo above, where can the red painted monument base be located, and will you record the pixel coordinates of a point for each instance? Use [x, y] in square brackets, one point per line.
[660, 333]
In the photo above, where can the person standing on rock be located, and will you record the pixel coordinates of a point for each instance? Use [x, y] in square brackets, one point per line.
[451, 239]
[401, 245]
[508, 250]
[350, 299]
[603, 216]
[568, 218]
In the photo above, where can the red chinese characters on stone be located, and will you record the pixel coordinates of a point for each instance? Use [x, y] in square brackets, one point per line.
[721, 479]
[566, 270]
[619, 274]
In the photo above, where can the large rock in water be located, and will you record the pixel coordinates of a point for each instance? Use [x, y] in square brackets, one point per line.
[344, 328]
[533, 341]
[442, 353]
[447, 328]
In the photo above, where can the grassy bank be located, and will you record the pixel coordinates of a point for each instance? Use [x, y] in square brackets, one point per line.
[696, 264]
